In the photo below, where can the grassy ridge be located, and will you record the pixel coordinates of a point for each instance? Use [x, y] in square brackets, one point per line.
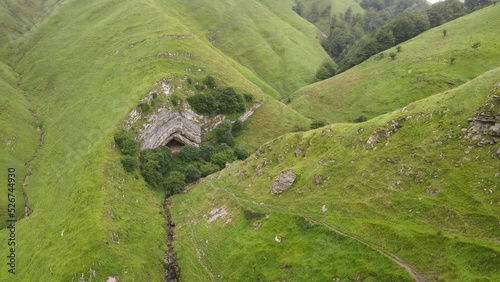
[425, 194]
[422, 68]
[266, 37]
[85, 68]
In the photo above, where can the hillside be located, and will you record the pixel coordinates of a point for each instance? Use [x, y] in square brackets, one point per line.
[421, 69]
[82, 67]
[422, 199]
[423, 195]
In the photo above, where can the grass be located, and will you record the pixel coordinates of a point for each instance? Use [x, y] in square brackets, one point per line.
[85, 65]
[421, 69]
[390, 200]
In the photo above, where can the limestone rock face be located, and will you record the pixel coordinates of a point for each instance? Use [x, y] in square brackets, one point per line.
[486, 123]
[284, 181]
[165, 125]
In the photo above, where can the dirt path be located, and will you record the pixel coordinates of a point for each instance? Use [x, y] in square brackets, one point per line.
[418, 277]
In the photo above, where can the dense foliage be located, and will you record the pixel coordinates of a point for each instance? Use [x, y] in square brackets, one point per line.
[214, 100]
[354, 37]
[171, 172]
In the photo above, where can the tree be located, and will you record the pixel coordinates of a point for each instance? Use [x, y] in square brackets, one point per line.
[129, 163]
[125, 141]
[174, 183]
[206, 152]
[317, 124]
[192, 173]
[221, 158]
[208, 168]
[190, 153]
[228, 101]
[326, 70]
[237, 127]
[241, 154]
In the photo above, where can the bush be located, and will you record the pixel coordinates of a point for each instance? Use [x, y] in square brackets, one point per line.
[326, 70]
[150, 170]
[221, 158]
[228, 101]
[248, 97]
[206, 152]
[223, 133]
[192, 174]
[361, 118]
[208, 168]
[129, 163]
[317, 124]
[204, 104]
[174, 183]
[222, 147]
[393, 56]
[209, 82]
[144, 108]
[237, 127]
[241, 154]
[175, 99]
[126, 143]
[190, 153]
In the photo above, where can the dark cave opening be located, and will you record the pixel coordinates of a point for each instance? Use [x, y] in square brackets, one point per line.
[175, 145]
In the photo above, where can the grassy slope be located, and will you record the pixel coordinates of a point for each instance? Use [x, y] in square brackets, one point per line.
[82, 67]
[449, 235]
[267, 37]
[421, 69]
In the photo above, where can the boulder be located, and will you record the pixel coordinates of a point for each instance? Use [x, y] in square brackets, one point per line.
[284, 181]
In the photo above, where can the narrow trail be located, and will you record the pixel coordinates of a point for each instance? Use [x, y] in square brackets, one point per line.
[27, 210]
[172, 270]
[418, 277]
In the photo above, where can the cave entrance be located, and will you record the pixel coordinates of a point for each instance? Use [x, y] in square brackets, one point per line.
[175, 145]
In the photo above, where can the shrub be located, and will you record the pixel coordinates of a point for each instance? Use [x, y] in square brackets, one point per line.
[204, 104]
[174, 183]
[208, 168]
[326, 70]
[223, 133]
[206, 152]
[361, 118]
[241, 154]
[221, 158]
[144, 108]
[445, 32]
[248, 97]
[150, 170]
[129, 163]
[398, 48]
[190, 153]
[228, 101]
[222, 147]
[317, 124]
[393, 56]
[209, 82]
[175, 99]
[237, 127]
[126, 143]
[192, 173]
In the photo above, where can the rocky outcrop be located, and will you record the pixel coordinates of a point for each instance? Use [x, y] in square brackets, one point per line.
[284, 181]
[165, 125]
[486, 123]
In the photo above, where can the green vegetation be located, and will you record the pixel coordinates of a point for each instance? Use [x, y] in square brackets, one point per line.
[418, 193]
[72, 71]
[421, 69]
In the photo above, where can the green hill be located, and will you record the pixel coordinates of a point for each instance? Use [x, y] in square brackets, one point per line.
[84, 66]
[406, 185]
[421, 69]
[71, 71]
